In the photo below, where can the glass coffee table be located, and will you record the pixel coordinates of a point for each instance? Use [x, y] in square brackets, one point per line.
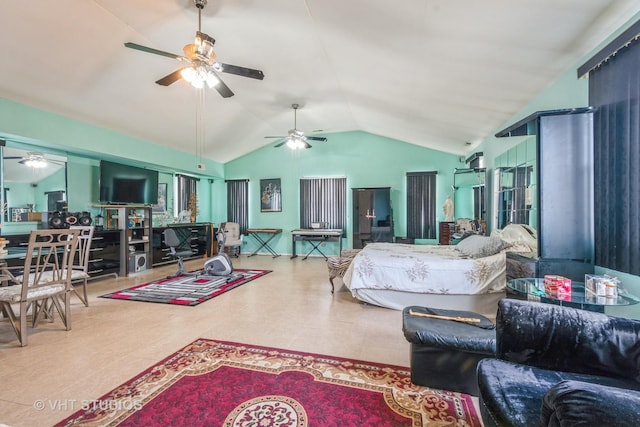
[532, 289]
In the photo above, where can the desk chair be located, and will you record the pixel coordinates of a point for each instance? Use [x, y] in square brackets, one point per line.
[177, 249]
[45, 282]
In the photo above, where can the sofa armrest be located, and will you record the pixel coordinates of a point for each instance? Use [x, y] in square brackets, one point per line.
[576, 403]
[567, 339]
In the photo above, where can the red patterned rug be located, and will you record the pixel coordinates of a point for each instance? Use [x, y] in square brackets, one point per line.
[187, 290]
[220, 383]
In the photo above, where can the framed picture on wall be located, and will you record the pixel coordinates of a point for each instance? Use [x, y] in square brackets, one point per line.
[162, 199]
[270, 195]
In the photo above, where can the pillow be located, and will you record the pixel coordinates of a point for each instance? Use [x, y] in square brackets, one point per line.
[481, 246]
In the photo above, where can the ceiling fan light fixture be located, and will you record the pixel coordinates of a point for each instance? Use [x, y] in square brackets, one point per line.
[295, 143]
[198, 76]
[212, 80]
[35, 160]
[188, 73]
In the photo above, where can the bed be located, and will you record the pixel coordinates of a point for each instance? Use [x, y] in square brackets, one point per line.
[468, 276]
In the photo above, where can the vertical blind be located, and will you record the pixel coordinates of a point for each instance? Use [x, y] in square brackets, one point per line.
[323, 200]
[187, 185]
[614, 89]
[238, 202]
[421, 205]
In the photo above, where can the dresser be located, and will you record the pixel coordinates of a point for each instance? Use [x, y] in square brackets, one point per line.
[447, 228]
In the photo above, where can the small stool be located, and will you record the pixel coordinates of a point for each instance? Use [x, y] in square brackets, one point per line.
[338, 265]
[445, 353]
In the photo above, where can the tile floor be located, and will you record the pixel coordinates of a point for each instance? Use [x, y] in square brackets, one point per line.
[111, 341]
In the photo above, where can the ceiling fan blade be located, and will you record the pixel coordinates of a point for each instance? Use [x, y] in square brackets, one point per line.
[280, 144]
[265, 137]
[170, 78]
[241, 71]
[317, 138]
[222, 88]
[306, 144]
[13, 157]
[152, 50]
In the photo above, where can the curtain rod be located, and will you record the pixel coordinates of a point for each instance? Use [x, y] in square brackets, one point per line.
[623, 40]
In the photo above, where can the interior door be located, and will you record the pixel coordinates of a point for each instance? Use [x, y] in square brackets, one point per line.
[362, 212]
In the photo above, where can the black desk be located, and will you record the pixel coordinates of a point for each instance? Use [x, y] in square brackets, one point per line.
[315, 237]
[264, 241]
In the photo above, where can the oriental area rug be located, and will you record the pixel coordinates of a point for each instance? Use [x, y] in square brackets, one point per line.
[187, 290]
[221, 383]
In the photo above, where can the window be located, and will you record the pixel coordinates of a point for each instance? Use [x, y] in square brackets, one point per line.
[421, 205]
[238, 202]
[323, 200]
[186, 186]
[614, 89]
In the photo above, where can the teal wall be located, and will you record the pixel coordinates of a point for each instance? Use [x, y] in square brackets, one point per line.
[366, 160]
[84, 145]
[26, 124]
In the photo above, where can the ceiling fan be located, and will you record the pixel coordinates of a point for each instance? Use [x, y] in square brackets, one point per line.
[200, 58]
[296, 139]
[34, 159]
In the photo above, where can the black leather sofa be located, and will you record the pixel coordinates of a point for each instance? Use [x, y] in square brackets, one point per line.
[560, 366]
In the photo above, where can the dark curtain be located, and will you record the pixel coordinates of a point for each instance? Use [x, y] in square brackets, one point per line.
[238, 202]
[421, 205]
[187, 185]
[324, 200]
[520, 208]
[614, 89]
[478, 202]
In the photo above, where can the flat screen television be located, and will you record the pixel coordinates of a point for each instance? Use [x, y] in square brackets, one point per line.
[124, 184]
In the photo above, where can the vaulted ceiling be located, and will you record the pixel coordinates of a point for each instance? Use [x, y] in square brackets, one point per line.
[436, 73]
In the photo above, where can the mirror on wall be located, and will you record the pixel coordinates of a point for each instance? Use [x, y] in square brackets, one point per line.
[469, 193]
[515, 186]
[34, 181]
[515, 195]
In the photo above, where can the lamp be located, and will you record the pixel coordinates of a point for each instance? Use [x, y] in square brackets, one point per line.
[34, 160]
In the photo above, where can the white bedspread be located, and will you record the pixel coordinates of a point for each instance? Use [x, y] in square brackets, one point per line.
[424, 269]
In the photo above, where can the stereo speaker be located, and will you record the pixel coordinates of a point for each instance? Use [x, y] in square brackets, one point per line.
[137, 262]
[70, 218]
[56, 219]
[84, 218]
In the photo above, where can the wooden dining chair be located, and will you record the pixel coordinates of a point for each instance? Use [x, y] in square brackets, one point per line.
[80, 268]
[45, 282]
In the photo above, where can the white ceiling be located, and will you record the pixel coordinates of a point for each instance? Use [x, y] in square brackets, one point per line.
[437, 73]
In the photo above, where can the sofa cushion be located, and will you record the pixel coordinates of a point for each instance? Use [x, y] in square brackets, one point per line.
[566, 339]
[577, 403]
[512, 394]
